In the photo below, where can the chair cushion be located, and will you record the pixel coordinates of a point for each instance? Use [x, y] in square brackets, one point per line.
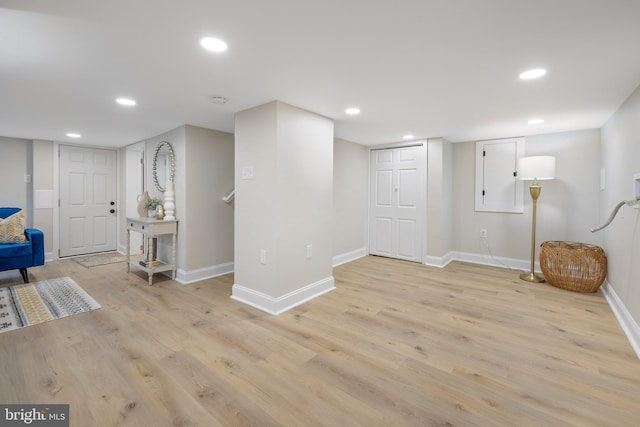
[12, 229]
[12, 250]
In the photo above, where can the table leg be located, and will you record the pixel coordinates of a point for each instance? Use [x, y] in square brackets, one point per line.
[150, 261]
[128, 248]
[173, 257]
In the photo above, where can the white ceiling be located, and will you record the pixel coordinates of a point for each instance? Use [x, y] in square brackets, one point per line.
[431, 68]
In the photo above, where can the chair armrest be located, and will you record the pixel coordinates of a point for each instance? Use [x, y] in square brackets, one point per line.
[36, 237]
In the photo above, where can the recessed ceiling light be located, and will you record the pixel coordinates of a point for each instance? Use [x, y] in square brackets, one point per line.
[535, 121]
[352, 111]
[126, 101]
[407, 136]
[73, 135]
[213, 44]
[533, 74]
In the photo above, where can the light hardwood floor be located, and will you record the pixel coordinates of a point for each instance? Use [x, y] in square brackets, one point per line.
[396, 344]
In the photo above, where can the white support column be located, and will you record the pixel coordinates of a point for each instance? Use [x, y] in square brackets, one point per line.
[283, 206]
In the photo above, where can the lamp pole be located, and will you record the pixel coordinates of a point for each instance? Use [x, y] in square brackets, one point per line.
[534, 190]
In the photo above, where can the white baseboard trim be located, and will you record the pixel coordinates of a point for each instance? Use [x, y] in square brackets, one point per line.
[349, 256]
[185, 277]
[278, 305]
[626, 321]
[441, 262]
[49, 256]
[496, 261]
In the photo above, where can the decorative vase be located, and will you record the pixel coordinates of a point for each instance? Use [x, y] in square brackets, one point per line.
[142, 201]
[169, 205]
[159, 212]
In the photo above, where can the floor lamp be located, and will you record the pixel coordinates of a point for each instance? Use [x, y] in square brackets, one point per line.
[536, 168]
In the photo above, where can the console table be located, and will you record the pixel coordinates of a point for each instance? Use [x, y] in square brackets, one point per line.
[151, 228]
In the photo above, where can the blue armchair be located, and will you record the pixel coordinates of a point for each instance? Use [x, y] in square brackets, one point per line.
[20, 256]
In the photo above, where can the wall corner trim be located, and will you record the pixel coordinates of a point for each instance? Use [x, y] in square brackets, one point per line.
[441, 262]
[496, 261]
[278, 305]
[626, 321]
[349, 256]
[185, 277]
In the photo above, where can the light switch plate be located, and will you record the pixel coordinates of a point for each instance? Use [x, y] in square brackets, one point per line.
[247, 172]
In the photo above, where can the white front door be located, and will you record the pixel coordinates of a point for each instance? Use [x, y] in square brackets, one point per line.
[397, 194]
[87, 200]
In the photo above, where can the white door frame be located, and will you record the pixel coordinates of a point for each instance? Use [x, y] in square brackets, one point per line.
[422, 201]
[134, 183]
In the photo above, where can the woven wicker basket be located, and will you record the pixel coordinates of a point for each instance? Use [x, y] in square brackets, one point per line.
[579, 267]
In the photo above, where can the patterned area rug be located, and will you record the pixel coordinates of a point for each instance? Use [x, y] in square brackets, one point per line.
[100, 259]
[32, 303]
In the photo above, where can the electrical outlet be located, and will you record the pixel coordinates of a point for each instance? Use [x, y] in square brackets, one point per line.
[309, 251]
[263, 256]
[483, 232]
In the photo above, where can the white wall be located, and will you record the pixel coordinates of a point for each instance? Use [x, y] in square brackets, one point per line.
[14, 164]
[204, 173]
[209, 175]
[439, 201]
[44, 197]
[567, 207]
[621, 240]
[287, 205]
[255, 204]
[20, 157]
[350, 198]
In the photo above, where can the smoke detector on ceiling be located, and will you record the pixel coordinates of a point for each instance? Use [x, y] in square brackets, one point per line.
[217, 99]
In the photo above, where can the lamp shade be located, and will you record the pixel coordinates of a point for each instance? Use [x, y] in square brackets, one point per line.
[537, 168]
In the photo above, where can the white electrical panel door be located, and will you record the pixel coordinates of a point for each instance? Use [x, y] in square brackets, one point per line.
[498, 188]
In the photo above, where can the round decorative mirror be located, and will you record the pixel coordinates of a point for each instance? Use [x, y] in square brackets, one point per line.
[164, 165]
